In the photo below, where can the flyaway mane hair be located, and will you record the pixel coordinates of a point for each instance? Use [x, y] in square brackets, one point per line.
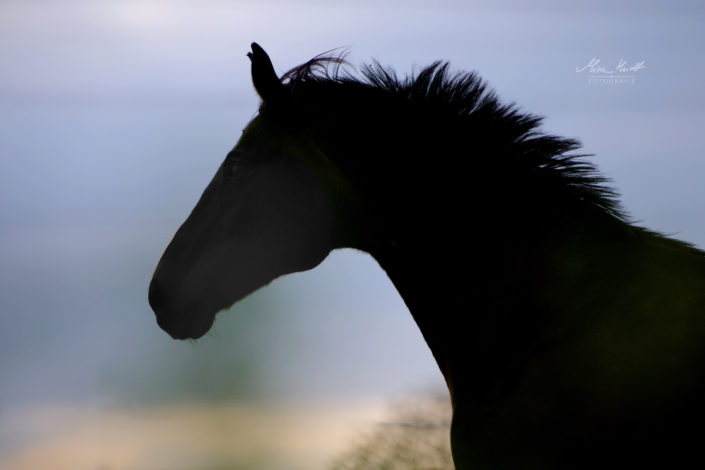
[479, 133]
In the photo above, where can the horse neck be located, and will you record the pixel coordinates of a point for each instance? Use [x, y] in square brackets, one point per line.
[471, 292]
[417, 283]
[482, 306]
[459, 317]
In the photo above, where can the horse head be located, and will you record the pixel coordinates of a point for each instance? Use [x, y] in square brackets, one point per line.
[264, 214]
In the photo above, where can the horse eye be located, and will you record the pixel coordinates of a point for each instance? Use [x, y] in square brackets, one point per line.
[239, 170]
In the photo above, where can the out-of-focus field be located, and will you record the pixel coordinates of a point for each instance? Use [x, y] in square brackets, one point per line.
[185, 436]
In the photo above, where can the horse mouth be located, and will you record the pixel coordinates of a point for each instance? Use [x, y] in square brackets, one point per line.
[190, 322]
[190, 327]
[191, 317]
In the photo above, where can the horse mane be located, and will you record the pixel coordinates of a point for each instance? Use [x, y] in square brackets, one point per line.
[463, 103]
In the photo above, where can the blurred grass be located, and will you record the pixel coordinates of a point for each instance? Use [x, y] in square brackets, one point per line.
[416, 436]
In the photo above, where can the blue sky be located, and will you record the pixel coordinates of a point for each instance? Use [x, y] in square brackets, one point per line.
[115, 114]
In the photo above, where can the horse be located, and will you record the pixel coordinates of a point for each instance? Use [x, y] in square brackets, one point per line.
[569, 337]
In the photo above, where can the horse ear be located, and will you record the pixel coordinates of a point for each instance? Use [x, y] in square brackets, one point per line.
[265, 79]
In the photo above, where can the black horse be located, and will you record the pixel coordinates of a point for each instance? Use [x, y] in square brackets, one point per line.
[568, 337]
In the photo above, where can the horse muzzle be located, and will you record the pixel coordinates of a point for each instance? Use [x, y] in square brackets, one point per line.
[190, 322]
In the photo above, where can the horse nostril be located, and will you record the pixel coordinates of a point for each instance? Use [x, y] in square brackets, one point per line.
[155, 296]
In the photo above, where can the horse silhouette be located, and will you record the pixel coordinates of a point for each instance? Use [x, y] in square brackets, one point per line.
[568, 336]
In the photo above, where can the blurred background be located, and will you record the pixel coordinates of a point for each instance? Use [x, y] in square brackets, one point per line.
[114, 115]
